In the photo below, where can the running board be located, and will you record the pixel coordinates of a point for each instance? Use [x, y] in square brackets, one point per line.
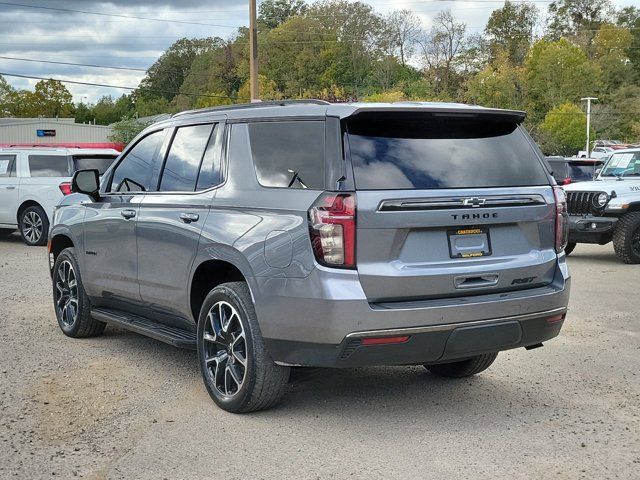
[177, 337]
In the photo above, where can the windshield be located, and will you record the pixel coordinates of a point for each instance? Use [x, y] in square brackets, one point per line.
[623, 165]
[404, 151]
[98, 162]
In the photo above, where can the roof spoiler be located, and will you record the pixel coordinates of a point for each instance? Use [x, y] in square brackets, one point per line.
[517, 116]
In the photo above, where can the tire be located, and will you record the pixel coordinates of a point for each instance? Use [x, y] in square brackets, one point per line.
[569, 248]
[221, 350]
[75, 323]
[626, 238]
[464, 368]
[34, 226]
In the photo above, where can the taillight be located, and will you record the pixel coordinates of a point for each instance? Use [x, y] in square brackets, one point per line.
[562, 219]
[332, 226]
[65, 188]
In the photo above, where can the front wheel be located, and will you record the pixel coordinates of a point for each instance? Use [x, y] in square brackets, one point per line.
[34, 226]
[463, 368]
[626, 238]
[237, 370]
[71, 303]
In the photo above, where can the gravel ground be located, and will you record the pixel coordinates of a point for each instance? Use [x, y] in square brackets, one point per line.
[123, 406]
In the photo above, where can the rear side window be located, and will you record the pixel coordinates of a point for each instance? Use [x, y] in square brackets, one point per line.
[211, 168]
[183, 161]
[427, 151]
[49, 165]
[7, 166]
[133, 174]
[288, 154]
[97, 162]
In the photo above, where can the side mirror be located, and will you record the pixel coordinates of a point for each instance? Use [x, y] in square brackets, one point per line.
[87, 182]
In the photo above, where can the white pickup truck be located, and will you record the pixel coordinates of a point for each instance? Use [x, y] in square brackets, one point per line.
[32, 182]
[607, 209]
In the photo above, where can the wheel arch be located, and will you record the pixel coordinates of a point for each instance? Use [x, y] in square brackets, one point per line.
[26, 204]
[209, 274]
[58, 242]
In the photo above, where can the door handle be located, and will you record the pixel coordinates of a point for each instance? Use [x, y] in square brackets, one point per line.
[127, 214]
[189, 217]
[11, 188]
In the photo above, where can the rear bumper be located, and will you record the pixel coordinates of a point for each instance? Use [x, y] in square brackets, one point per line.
[435, 344]
[312, 320]
[590, 229]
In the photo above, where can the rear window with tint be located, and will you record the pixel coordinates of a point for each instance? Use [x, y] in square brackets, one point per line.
[425, 151]
[583, 171]
[49, 165]
[288, 154]
[98, 162]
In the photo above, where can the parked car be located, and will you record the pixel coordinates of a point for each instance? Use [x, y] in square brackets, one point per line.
[33, 180]
[268, 236]
[571, 170]
[608, 208]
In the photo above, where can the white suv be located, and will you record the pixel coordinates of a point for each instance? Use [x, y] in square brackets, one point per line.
[32, 182]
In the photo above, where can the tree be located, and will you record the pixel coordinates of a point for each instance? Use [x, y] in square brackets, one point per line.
[499, 85]
[612, 45]
[441, 48]
[167, 74]
[272, 13]
[557, 73]
[50, 98]
[510, 30]
[629, 17]
[268, 90]
[404, 29]
[8, 96]
[563, 131]
[573, 18]
[126, 130]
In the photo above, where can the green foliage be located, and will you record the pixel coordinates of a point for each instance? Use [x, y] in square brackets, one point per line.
[272, 13]
[578, 18]
[564, 130]
[499, 85]
[510, 30]
[556, 73]
[126, 130]
[344, 50]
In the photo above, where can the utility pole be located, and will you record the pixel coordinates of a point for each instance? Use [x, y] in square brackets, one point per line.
[253, 52]
[588, 99]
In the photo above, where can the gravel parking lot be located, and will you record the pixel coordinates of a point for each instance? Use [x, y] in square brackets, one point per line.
[123, 406]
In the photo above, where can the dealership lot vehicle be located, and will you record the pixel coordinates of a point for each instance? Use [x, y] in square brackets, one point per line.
[608, 208]
[571, 170]
[33, 180]
[303, 233]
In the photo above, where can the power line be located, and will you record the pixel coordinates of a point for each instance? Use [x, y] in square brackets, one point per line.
[92, 84]
[118, 15]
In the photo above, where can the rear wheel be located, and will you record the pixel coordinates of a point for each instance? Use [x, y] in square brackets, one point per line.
[34, 226]
[626, 238]
[71, 302]
[237, 370]
[569, 248]
[464, 368]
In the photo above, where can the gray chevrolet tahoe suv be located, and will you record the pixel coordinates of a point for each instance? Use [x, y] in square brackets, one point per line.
[269, 236]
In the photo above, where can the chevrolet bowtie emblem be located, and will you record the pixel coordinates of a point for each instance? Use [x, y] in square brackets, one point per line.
[473, 202]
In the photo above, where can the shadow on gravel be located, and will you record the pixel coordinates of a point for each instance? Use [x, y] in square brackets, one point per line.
[13, 239]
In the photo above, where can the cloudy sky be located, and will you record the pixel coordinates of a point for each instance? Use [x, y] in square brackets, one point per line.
[104, 32]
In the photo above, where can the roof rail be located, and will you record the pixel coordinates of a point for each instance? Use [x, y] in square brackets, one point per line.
[242, 106]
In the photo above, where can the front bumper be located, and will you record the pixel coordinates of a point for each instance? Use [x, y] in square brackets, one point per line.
[591, 229]
[313, 321]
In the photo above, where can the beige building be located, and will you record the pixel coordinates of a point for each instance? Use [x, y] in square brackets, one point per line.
[54, 132]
